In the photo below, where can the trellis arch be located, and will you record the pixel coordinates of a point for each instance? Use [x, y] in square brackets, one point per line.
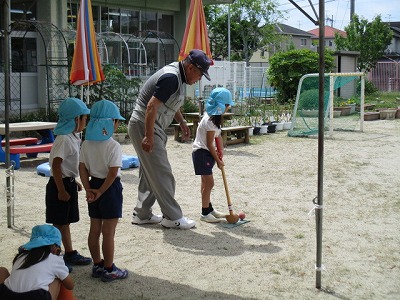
[52, 62]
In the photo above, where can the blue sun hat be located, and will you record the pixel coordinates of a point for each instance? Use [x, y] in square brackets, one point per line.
[69, 109]
[43, 235]
[219, 97]
[101, 123]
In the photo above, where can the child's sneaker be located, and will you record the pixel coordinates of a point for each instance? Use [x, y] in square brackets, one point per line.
[116, 273]
[218, 214]
[97, 270]
[209, 218]
[75, 258]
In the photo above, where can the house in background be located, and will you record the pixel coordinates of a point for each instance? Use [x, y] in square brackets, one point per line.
[392, 52]
[290, 38]
[329, 36]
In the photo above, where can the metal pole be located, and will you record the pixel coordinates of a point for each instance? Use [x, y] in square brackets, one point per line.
[229, 32]
[318, 210]
[6, 55]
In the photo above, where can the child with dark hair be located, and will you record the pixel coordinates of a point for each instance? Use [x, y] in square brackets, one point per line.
[38, 269]
[100, 170]
[204, 149]
[62, 189]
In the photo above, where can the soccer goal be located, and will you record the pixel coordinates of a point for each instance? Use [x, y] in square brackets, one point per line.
[343, 104]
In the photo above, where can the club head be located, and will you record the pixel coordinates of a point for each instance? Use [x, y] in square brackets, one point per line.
[232, 219]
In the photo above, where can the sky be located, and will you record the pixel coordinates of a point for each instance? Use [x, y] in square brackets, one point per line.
[339, 12]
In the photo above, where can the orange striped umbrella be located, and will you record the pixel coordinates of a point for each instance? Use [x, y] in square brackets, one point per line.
[195, 36]
[86, 67]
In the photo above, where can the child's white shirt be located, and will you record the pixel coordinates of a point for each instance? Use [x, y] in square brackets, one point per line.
[38, 276]
[99, 156]
[205, 125]
[66, 147]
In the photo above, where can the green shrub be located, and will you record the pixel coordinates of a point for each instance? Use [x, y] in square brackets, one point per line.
[309, 100]
[190, 105]
[286, 69]
[369, 87]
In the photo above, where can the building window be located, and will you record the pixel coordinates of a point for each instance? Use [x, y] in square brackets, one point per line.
[130, 22]
[149, 21]
[303, 42]
[166, 23]
[23, 55]
[23, 10]
[72, 15]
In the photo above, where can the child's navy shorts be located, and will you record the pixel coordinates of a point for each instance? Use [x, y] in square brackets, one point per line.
[203, 162]
[109, 205]
[62, 212]
[40, 294]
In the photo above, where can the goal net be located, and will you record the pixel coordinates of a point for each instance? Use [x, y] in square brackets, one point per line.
[343, 104]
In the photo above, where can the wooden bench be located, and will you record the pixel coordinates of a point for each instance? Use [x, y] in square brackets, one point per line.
[19, 142]
[178, 131]
[240, 134]
[15, 152]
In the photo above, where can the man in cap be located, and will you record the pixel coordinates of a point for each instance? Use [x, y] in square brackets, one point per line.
[158, 103]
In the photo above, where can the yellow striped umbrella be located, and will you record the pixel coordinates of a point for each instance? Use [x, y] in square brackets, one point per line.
[86, 67]
[195, 36]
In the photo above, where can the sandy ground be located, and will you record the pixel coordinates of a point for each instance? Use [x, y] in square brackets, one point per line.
[273, 180]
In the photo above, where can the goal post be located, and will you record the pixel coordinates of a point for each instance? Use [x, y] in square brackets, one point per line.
[343, 104]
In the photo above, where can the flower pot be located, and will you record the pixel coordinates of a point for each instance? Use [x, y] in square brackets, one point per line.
[287, 125]
[271, 128]
[251, 129]
[352, 108]
[264, 129]
[371, 116]
[337, 113]
[388, 114]
[397, 115]
[345, 110]
[256, 130]
[119, 137]
[279, 126]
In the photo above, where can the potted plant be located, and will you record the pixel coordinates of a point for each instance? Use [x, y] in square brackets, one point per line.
[121, 133]
[346, 107]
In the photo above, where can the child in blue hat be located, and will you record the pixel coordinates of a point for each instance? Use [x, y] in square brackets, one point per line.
[204, 153]
[100, 171]
[38, 269]
[62, 189]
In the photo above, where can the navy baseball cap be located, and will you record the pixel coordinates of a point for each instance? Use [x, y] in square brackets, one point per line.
[201, 61]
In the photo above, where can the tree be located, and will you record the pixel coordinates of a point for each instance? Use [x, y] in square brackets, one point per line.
[370, 39]
[286, 69]
[251, 27]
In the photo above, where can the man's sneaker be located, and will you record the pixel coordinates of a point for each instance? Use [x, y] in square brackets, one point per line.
[209, 218]
[218, 214]
[153, 220]
[182, 223]
[75, 258]
[116, 273]
[97, 271]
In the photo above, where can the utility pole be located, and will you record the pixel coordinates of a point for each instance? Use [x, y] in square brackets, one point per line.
[352, 7]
